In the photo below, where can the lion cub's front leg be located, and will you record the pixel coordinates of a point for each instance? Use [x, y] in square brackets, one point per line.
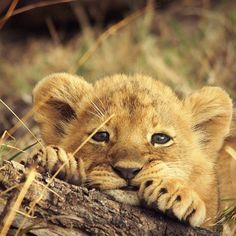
[52, 158]
[172, 196]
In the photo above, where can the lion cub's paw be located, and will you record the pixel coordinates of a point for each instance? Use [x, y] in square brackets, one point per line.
[172, 197]
[48, 158]
[51, 159]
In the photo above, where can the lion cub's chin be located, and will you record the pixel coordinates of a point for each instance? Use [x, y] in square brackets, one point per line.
[124, 196]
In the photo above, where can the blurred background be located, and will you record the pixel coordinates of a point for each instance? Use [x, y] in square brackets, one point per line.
[185, 43]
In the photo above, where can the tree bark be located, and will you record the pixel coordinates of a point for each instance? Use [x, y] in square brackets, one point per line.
[75, 210]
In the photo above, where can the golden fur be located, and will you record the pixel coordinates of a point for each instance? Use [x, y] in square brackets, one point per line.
[178, 178]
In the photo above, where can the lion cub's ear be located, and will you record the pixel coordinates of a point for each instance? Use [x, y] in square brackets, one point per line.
[211, 110]
[56, 100]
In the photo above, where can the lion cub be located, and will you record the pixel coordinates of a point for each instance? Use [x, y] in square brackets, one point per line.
[156, 149]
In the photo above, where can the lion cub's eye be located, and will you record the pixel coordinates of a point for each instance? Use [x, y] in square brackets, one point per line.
[101, 137]
[160, 139]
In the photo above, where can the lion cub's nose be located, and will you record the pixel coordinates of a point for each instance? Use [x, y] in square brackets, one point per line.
[126, 173]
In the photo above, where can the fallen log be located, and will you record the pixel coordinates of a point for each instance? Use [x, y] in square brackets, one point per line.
[72, 210]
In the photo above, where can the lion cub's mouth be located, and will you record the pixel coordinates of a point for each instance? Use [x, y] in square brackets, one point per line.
[130, 188]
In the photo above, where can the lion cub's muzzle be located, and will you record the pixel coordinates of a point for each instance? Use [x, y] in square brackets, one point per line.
[126, 173]
[126, 163]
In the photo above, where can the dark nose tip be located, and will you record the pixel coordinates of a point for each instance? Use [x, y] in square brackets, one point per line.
[126, 173]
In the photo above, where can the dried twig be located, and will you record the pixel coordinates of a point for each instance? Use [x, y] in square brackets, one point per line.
[10, 217]
[21, 121]
[52, 30]
[33, 6]
[9, 13]
[110, 31]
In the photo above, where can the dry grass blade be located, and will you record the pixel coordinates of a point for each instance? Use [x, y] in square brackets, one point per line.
[23, 119]
[43, 185]
[20, 121]
[31, 7]
[9, 189]
[28, 115]
[25, 214]
[18, 153]
[112, 30]
[228, 215]
[10, 217]
[12, 147]
[95, 131]
[4, 135]
[33, 204]
[9, 13]
[52, 30]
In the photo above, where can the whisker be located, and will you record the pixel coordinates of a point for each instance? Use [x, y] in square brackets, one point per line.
[95, 114]
[95, 107]
[102, 105]
[98, 109]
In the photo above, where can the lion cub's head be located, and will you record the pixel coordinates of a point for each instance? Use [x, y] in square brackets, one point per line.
[150, 123]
